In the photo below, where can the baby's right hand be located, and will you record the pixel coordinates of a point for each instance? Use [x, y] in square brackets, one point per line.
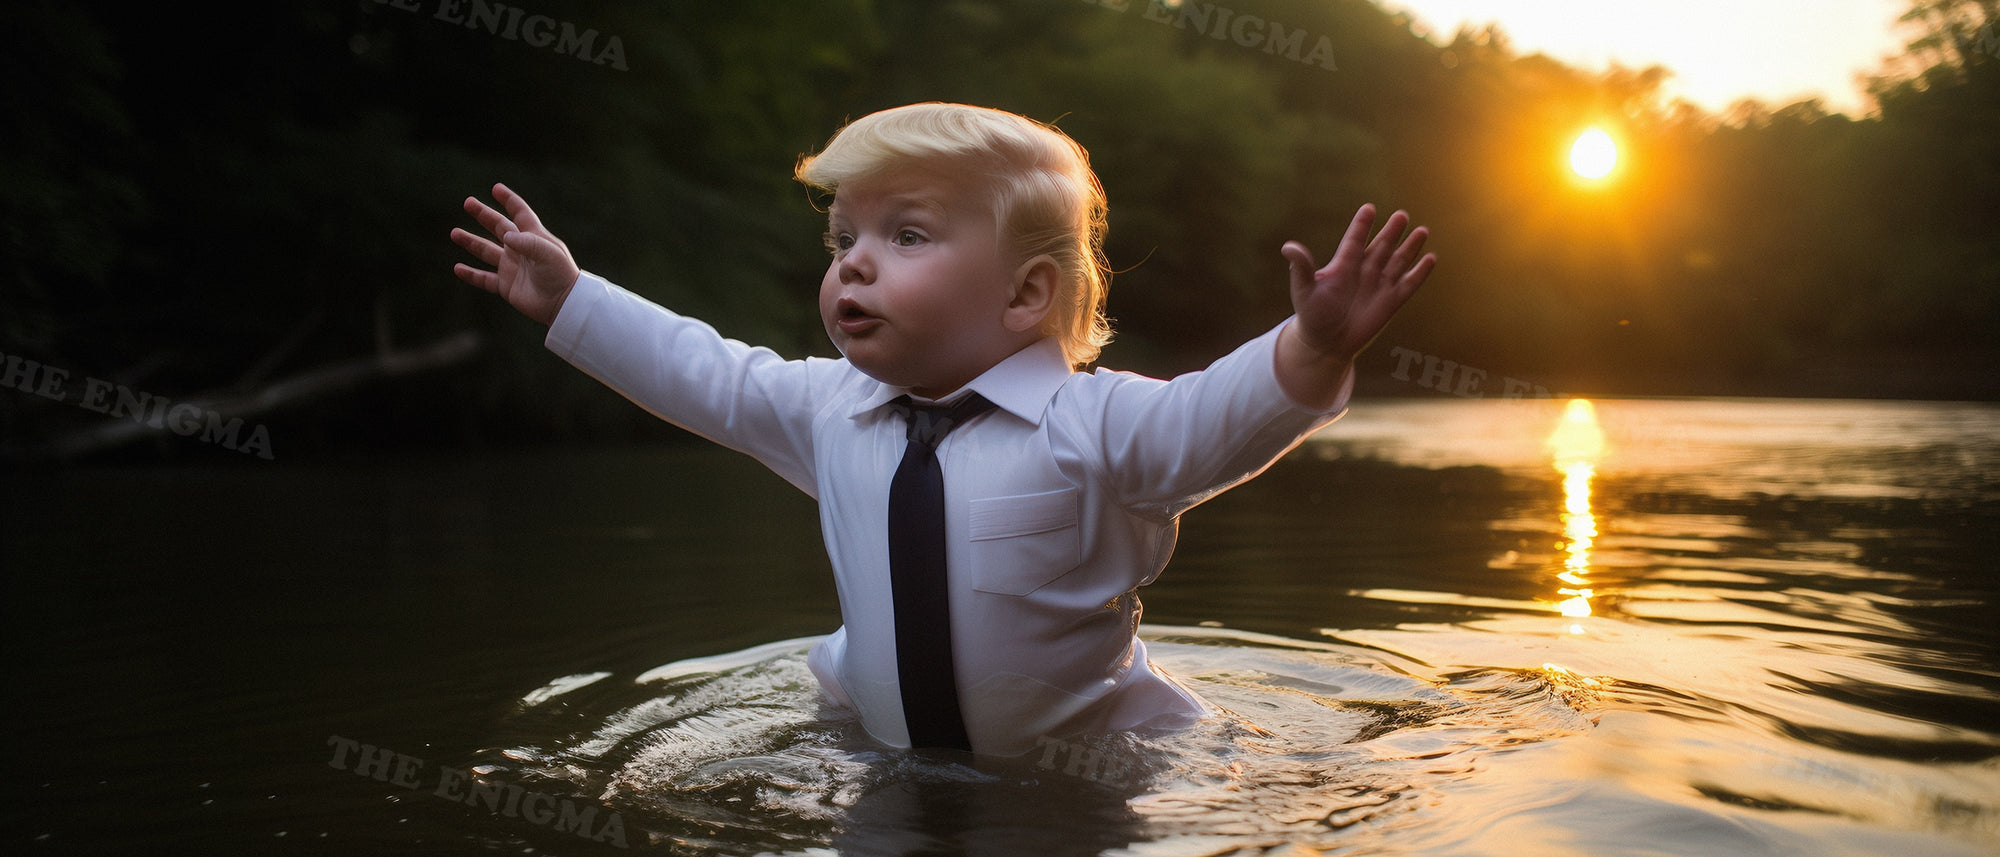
[532, 269]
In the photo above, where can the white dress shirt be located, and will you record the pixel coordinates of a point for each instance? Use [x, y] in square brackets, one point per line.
[1060, 503]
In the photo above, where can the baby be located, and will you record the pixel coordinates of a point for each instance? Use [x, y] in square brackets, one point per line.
[966, 296]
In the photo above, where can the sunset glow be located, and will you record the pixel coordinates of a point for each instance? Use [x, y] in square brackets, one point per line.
[1593, 155]
[1720, 51]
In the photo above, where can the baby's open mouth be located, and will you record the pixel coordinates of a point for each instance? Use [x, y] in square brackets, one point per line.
[851, 318]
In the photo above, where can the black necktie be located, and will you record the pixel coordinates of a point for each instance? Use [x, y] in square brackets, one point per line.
[917, 575]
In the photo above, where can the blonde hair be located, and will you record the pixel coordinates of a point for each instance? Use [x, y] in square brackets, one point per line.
[1046, 200]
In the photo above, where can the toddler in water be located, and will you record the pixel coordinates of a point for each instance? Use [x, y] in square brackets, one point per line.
[968, 270]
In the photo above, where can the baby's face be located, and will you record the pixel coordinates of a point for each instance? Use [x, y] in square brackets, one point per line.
[919, 281]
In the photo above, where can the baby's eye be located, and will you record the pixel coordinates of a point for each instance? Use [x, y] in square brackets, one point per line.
[908, 238]
[837, 241]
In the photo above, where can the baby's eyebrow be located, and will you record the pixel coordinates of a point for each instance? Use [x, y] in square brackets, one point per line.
[896, 205]
[927, 203]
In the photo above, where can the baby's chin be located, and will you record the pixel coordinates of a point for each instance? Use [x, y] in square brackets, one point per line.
[901, 376]
[897, 362]
[859, 353]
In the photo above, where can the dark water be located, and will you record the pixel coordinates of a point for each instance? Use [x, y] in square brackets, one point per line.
[1747, 628]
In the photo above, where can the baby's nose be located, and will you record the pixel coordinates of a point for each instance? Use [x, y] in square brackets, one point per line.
[856, 266]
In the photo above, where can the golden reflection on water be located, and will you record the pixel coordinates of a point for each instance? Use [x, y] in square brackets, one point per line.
[1575, 447]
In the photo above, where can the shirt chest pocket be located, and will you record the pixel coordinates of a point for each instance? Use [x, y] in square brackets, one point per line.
[1021, 543]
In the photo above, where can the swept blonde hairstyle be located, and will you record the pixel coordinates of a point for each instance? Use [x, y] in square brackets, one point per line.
[1045, 198]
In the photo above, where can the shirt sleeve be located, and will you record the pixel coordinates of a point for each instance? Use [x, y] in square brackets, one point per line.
[683, 371]
[1166, 446]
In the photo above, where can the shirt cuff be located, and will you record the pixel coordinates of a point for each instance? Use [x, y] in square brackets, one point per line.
[567, 331]
[1340, 401]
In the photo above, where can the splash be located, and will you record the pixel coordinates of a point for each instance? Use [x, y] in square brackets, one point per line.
[1314, 742]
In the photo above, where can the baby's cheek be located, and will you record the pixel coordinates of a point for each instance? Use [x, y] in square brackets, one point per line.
[827, 324]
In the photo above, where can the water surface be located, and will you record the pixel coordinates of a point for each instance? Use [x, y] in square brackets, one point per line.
[1711, 626]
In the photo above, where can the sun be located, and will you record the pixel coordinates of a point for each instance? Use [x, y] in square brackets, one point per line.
[1593, 155]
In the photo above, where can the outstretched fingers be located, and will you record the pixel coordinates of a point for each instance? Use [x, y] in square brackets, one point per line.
[1414, 273]
[1409, 255]
[1381, 250]
[496, 224]
[1393, 295]
[1406, 271]
[480, 248]
[1352, 242]
[1388, 259]
[518, 211]
[489, 251]
[473, 276]
[517, 259]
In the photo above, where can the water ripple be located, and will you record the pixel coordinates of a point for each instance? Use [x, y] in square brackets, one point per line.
[1317, 744]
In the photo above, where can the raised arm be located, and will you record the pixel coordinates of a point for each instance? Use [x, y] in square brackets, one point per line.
[531, 268]
[1342, 307]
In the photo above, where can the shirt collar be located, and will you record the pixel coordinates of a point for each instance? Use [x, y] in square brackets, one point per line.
[1021, 385]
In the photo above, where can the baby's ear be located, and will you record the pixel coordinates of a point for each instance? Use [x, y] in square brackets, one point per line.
[1036, 283]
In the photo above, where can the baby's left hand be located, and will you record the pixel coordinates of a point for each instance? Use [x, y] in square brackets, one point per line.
[1343, 306]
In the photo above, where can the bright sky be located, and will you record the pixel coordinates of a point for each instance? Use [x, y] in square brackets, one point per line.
[1778, 51]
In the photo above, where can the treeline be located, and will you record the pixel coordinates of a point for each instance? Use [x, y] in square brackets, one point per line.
[205, 201]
